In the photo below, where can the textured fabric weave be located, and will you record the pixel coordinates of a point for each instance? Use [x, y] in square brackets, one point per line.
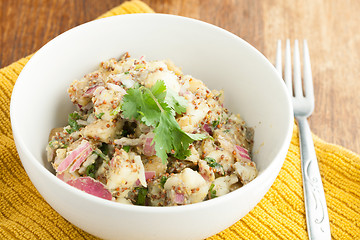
[280, 214]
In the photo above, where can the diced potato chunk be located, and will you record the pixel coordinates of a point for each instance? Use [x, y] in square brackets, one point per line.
[169, 78]
[225, 158]
[193, 184]
[155, 164]
[124, 172]
[105, 101]
[245, 171]
[101, 130]
[222, 184]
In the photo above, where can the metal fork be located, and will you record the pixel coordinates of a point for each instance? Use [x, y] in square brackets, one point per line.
[317, 218]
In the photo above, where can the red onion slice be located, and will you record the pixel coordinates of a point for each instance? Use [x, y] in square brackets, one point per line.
[87, 152]
[179, 198]
[207, 128]
[241, 149]
[83, 148]
[243, 153]
[91, 186]
[90, 91]
[148, 175]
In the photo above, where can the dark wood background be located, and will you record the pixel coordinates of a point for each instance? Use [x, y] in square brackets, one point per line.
[331, 27]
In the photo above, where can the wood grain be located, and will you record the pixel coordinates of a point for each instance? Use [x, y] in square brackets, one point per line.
[331, 28]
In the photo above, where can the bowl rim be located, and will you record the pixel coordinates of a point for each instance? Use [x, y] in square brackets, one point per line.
[276, 163]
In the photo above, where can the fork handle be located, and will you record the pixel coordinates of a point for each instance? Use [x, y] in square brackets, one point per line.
[317, 218]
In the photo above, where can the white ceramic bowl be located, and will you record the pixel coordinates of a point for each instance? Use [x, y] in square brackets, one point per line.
[222, 60]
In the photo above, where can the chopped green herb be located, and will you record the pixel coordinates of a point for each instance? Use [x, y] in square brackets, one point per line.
[101, 154]
[100, 115]
[156, 107]
[163, 180]
[226, 130]
[57, 144]
[215, 123]
[116, 110]
[212, 163]
[141, 198]
[126, 72]
[70, 130]
[90, 171]
[139, 66]
[51, 143]
[212, 192]
[126, 148]
[104, 148]
[73, 123]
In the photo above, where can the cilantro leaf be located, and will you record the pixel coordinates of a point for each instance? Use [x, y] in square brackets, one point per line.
[159, 90]
[156, 107]
[169, 136]
[141, 103]
[130, 105]
[182, 143]
[197, 136]
[150, 108]
[163, 137]
[176, 102]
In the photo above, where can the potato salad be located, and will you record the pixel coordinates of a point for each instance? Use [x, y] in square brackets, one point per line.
[144, 133]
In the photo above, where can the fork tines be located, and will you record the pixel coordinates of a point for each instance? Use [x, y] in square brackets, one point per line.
[293, 79]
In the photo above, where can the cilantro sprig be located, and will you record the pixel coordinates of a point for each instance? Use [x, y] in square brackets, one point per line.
[157, 107]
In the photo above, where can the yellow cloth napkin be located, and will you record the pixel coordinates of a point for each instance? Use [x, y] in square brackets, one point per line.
[280, 215]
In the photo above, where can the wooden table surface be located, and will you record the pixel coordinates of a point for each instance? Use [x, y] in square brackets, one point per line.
[331, 28]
